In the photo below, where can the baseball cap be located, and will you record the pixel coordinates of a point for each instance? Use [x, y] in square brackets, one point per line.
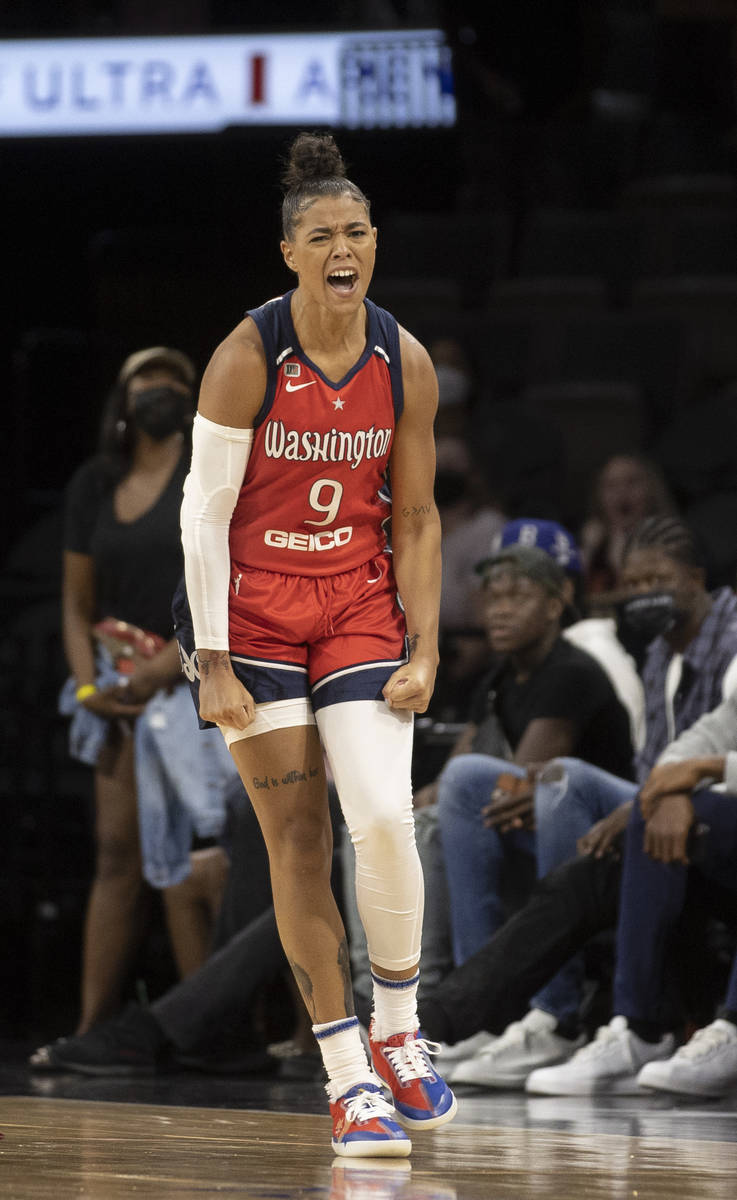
[545, 535]
[532, 562]
[157, 356]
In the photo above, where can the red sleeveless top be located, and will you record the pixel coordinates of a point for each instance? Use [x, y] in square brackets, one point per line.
[315, 495]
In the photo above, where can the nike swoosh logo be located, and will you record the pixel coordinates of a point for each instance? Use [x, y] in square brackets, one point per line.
[296, 387]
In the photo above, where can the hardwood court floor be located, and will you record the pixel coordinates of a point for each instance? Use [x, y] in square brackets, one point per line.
[53, 1149]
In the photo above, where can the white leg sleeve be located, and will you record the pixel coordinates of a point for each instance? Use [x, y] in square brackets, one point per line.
[369, 748]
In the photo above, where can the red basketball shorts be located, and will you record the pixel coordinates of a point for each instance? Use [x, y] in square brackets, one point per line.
[333, 638]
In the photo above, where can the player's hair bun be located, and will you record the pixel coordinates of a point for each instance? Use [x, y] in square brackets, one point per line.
[312, 157]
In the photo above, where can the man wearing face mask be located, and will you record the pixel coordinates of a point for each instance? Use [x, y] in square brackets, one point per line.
[689, 667]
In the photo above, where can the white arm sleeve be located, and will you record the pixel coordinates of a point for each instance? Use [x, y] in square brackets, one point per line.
[219, 458]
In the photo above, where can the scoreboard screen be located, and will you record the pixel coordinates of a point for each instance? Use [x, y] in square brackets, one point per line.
[396, 79]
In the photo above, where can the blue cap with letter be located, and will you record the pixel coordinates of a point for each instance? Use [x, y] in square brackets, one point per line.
[545, 535]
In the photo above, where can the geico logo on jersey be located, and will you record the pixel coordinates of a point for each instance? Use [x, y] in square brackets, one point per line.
[309, 541]
[337, 445]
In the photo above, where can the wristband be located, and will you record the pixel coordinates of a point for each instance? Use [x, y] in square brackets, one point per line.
[87, 689]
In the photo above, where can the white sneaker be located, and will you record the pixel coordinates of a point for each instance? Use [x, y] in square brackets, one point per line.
[524, 1045]
[610, 1064]
[705, 1066]
[450, 1057]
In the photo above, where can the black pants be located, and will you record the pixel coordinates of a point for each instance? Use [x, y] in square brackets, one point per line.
[494, 986]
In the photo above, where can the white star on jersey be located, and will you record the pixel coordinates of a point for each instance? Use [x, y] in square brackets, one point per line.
[337, 403]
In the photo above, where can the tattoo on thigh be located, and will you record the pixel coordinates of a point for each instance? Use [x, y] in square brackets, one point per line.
[304, 983]
[294, 776]
[344, 963]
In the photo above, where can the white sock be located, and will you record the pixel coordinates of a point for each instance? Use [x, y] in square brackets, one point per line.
[343, 1055]
[395, 1006]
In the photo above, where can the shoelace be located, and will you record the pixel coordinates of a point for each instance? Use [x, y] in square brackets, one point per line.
[410, 1060]
[365, 1106]
[704, 1041]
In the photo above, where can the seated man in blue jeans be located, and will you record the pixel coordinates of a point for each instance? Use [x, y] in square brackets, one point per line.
[690, 666]
[549, 698]
[680, 822]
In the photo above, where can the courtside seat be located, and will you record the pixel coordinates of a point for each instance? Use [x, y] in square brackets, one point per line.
[471, 249]
[596, 418]
[410, 299]
[647, 350]
[704, 242]
[700, 300]
[549, 294]
[609, 245]
[174, 286]
[688, 189]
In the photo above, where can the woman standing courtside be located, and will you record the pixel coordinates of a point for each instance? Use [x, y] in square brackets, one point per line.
[122, 559]
[305, 409]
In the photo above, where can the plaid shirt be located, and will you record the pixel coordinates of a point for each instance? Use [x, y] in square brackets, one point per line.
[705, 661]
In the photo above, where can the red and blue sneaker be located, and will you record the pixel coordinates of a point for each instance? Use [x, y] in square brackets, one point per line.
[422, 1099]
[364, 1125]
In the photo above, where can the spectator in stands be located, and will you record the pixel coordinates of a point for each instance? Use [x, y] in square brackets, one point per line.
[567, 907]
[456, 387]
[471, 524]
[627, 489]
[130, 720]
[691, 665]
[544, 693]
[596, 636]
[680, 818]
[207, 1020]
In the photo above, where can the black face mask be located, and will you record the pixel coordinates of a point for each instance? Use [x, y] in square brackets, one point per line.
[649, 615]
[450, 487]
[159, 411]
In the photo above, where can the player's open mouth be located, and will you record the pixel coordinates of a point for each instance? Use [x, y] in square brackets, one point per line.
[343, 281]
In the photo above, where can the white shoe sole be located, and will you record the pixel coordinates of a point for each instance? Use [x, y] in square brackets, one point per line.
[499, 1080]
[391, 1148]
[430, 1123]
[620, 1086]
[674, 1089]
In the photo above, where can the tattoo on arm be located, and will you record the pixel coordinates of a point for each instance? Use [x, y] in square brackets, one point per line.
[344, 964]
[413, 640]
[215, 659]
[304, 983]
[416, 510]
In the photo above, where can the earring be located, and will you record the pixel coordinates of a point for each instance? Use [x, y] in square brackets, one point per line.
[120, 426]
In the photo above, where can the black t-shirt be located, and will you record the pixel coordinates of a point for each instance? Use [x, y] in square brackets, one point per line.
[137, 563]
[569, 685]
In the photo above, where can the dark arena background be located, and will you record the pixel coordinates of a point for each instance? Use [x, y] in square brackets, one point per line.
[554, 184]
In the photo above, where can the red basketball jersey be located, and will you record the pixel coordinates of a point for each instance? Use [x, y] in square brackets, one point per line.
[315, 496]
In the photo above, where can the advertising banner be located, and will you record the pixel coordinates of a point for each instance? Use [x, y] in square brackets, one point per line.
[99, 86]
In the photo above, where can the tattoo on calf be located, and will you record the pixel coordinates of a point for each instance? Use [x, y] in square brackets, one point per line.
[304, 983]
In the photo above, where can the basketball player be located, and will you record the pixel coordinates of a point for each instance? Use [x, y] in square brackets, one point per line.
[305, 409]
